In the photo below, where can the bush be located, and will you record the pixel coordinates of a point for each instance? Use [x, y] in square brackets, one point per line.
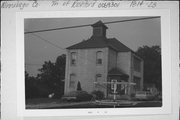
[99, 95]
[79, 86]
[83, 96]
[77, 96]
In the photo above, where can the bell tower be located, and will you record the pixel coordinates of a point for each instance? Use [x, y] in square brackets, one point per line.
[99, 29]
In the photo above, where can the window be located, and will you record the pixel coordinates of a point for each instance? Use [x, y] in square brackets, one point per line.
[137, 64]
[73, 58]
[97, 31]
[98, 79]
[137, 80]
[72, 80]
[99, 56]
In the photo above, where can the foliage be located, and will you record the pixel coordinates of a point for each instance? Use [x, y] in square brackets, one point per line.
[83, 96]
[99, 95]
[79, 86]
[152, 65]
[49, 80]
[53, 74]
[77, 96]
[31, 88]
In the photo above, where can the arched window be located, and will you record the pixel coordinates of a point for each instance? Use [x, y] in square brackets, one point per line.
[72, 80]
[99, 57]
[73, 58]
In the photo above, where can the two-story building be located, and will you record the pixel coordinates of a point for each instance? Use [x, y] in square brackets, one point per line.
[101, 60]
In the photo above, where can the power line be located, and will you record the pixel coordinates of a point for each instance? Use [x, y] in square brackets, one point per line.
[132, 20]
[55, 45]
[45, 30]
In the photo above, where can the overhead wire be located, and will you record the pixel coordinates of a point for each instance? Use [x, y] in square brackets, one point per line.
[53, 44]
[61, 28]
[70, 27]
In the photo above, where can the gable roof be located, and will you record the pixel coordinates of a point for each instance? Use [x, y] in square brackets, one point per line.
[101, 42]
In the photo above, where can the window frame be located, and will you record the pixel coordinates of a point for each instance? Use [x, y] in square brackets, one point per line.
[96, 79]
[73, 63]
[135, 79]
[101, 58]
[72, 81]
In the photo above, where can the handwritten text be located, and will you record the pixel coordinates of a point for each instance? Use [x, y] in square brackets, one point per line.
[18, 4]
[80, 4]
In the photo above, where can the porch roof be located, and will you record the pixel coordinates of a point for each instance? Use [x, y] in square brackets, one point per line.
[116, 71]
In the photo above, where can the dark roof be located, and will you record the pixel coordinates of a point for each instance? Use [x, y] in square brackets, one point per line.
[99, 23]
[116, 71]
[117, 45]
[93, 42]
[101, 42]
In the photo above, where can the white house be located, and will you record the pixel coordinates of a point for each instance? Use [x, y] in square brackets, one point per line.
[100, 60]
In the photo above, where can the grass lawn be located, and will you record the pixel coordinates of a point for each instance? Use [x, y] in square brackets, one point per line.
[47, 103]
[42, 101]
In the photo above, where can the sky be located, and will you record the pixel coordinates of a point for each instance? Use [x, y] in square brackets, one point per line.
[133, 34]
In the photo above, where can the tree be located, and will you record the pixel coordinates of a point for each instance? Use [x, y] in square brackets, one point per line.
[60, 66]
[152, 65]
[52, 76]
[30, 86]
[79, 86]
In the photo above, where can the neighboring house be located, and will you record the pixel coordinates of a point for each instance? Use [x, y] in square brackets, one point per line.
[101, 59]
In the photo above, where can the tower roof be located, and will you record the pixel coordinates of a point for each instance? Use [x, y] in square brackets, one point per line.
[98, 24]
[101, 42]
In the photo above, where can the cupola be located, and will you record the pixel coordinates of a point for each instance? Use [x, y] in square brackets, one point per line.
[99, 29]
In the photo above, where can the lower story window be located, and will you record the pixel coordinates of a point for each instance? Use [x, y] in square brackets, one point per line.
[98, 79]
[72, 80]
[137, 80]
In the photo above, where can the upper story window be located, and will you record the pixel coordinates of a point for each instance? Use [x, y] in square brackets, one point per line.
[137, 64]
[72, 80]
[73, 58]
[98, 79]
[99, 56]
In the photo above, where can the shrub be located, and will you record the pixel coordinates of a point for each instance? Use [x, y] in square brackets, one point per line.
[83, 96]
[79, 86]
[99, 95]
[77, 96]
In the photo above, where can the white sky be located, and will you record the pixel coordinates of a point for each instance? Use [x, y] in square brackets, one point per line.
[133, 34]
